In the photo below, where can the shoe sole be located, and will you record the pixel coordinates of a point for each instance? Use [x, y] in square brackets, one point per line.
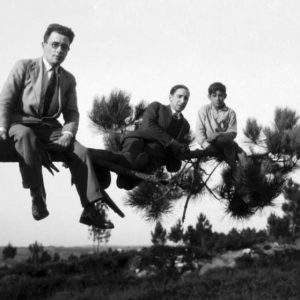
[41, 216]
[88, 222]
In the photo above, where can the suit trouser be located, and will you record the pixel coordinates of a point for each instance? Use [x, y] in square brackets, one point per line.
[158, 154]
[29, 140]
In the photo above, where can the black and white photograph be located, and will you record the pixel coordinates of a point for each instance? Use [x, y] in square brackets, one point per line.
[149, 150]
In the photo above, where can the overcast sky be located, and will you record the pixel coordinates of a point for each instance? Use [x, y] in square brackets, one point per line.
[145, 47]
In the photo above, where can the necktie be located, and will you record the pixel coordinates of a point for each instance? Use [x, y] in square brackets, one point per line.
[175, 124]
[176, 116]
[50, 91]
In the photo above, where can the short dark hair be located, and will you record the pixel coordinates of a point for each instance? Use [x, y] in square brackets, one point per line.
[60, 29]
[176, 87]
[217, 86]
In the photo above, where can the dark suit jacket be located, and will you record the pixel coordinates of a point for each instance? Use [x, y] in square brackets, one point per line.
[155, 125]
[22, 98]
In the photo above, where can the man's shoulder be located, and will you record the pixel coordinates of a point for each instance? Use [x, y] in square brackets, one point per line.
[67, 73]
[155, 104]
[230, 111]
[25, 62]
[204, 108]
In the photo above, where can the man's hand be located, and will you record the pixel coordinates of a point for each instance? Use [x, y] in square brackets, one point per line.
[213, 137]
[177, 148]
[3, 134]
[64, 141]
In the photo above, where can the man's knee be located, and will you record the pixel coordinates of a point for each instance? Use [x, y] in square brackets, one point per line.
[24, 137]
[79, 150]
[19, 132]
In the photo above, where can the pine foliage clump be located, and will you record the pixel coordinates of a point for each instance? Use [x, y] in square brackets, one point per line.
[251, 187]
[154, 200]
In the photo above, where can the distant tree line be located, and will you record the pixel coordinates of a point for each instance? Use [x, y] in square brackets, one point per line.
[284, 229]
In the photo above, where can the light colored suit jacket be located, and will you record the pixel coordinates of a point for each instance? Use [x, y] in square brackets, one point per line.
[22, 97]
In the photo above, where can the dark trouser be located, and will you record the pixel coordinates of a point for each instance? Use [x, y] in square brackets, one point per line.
[227, 151]
[159, 156]
[28, 140]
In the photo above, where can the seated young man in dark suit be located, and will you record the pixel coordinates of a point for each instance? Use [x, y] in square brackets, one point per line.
[159, 140]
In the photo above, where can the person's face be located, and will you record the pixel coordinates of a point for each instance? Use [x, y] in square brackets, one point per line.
[217, 99]
[179, 99]
[56, 48]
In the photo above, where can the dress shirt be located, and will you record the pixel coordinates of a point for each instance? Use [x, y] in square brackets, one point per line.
[47, 72]
[211, 120]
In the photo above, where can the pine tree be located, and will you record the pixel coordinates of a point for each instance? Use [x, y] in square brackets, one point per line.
[278, 227]
[256, 182]
[159, 235]
[200, 235]
[99, 235]
[36, 249]
[176, 232]
[9, 251]
[291, 207]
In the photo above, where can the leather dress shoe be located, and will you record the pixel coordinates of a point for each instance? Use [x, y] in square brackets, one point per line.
[91, 217]
[39, 208]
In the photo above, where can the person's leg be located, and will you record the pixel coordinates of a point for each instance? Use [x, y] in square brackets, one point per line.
[87, 185]
[133, 152]
[228, 150]
[133, 157]
[83, 174]
[157, 155]
[30, 164]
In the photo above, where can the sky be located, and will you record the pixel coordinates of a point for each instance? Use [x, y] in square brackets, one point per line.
[145, 47]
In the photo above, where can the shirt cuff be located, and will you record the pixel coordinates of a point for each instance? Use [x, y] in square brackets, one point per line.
[68, 132]
[205, 144]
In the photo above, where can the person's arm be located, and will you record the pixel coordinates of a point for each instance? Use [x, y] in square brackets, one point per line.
[9, 94]
[70, 111]
[71, 117]
[151, 125]
[230, 134]
[157, 133]
[200, 131]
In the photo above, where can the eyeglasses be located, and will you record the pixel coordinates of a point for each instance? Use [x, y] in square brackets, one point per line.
[64, 47]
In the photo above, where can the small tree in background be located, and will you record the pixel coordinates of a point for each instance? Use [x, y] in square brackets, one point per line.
[56, 257]
[9, 251]
[36, 249]
[278, 227]
[45, 257]
[291, 207]
[200, 235]
[159, 235]
[98, 235]
[176, 232]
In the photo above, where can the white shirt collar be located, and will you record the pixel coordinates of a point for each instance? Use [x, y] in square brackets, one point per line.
[224, 108]
[173, 110]
[48, 67]
[46, 64]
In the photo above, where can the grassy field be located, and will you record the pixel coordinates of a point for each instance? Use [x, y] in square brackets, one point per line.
[111, 276]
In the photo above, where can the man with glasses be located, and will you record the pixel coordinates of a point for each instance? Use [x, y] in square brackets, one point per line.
[35, 94]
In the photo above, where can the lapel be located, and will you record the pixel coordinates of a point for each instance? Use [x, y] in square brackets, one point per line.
[61, 84]
[167, 116]
[36, 75]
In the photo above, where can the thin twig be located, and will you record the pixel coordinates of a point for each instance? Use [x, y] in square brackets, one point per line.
[185, 207]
